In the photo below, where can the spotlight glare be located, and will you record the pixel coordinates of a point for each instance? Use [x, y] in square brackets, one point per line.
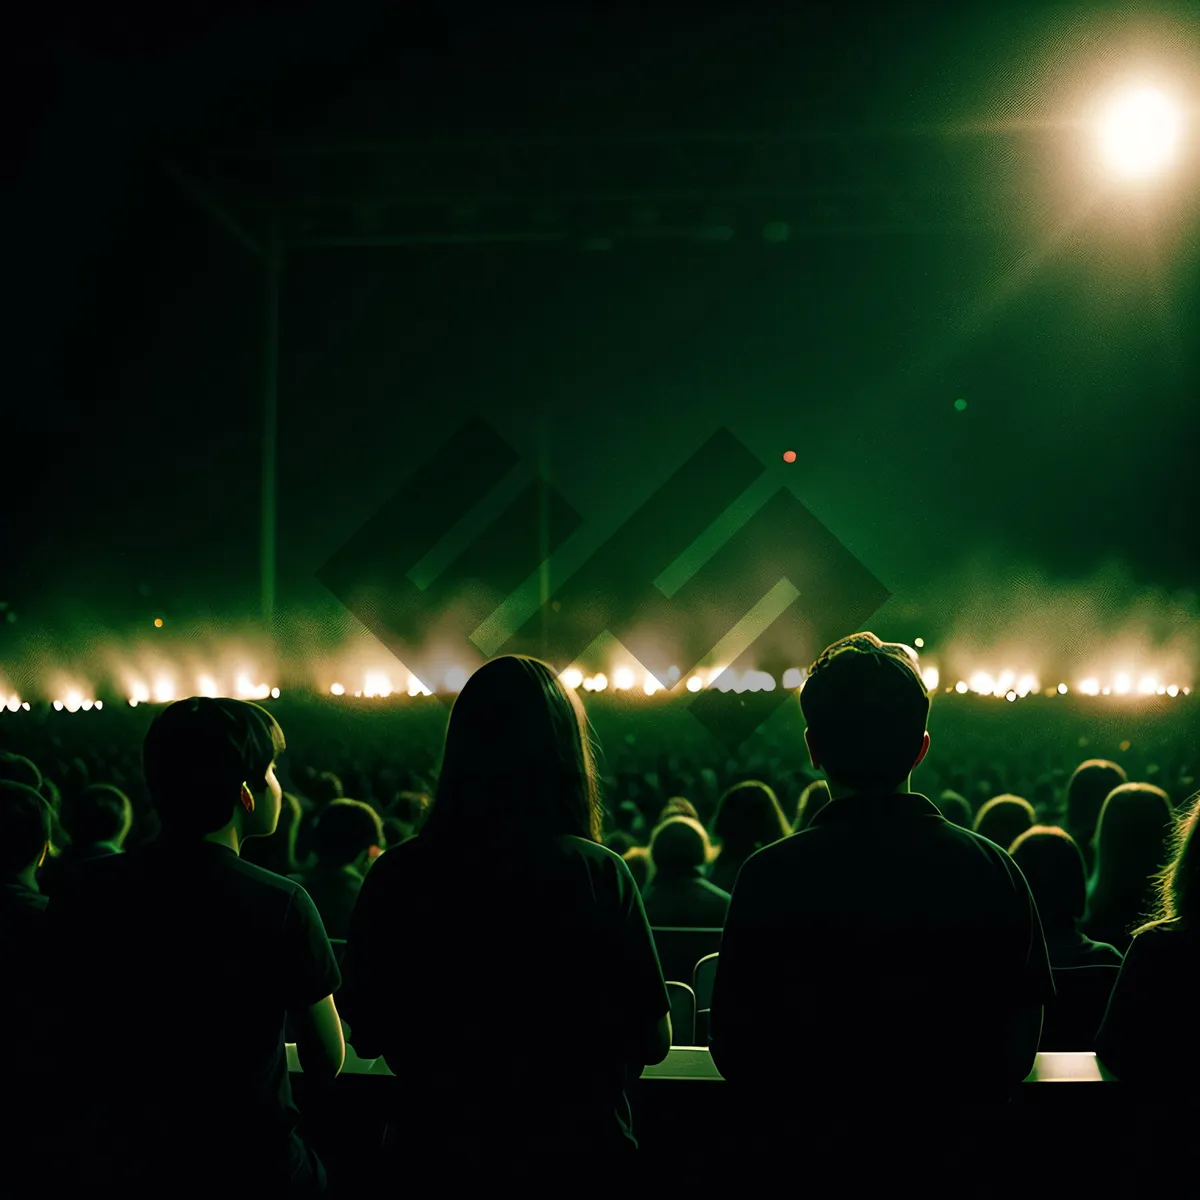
[338, 690]
[962, 686]
[931, 677]
[274, 693]
[99, 705]
[1173, 690]
[695, 683]
[1139, 133]
[622, 679]
[58, 706]
[1062, 689]
[572, 677]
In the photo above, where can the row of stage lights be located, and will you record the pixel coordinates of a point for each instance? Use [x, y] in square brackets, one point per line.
[1006, 685]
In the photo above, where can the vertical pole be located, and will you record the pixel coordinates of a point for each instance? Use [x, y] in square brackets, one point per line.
[274, 262]
[544, 530]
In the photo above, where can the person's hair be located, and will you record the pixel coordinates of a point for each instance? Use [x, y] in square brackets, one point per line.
[678, 806]
[1053, 866]
[24, 826]
[1132, 847]
[518, 759]
[409, 809]
[324, 788]
[197, 754]
[678, 846]
[1004, 818]
[637, 858]
[866, 707]
[954, 808]
[100, 813]
[277, 852]
[1087, 789]
[814, 798]
[15, 768]
[344, 830]
[748, 817]
[1176, 888]
[620, 842]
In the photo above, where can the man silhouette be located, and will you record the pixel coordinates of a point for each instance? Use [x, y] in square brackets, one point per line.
[883, 953]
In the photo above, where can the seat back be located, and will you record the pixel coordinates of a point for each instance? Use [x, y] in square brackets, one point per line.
[680, 949]
[1073, 1018]
[683, 1013]
[702, 980]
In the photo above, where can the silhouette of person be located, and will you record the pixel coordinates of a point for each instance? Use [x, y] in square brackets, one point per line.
[1131, 849]
[1141, 1039]
[514, 942]
[183, 1014]
[1004, 818]
[1087, 789]
[904, 953]
[748, 817]
[679, 895]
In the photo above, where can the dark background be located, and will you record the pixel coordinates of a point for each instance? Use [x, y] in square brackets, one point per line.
[131, 409]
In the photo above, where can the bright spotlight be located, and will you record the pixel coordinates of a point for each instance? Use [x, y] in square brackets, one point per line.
[1010, 696]
[1173, 690]
[930, 677]
[14, 702]
[622, 679]
[206, 685]
[58, 706]
[99, 705]
[918, 642]
[573, 678]
[651, 685]
[274, 693]
[1147, 685]
[1122, 684]
[1062, 689]
[164, 690]
[25, 705]
[1090, 687]
[600, 682]
[695, 683]
[86, 706]
[1139, 133]
[338, 690]
[962, 686]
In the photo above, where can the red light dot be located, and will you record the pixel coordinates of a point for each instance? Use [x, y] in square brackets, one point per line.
[789, 456]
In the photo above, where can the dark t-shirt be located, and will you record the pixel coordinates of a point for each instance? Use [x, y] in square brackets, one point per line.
[1146, 1039]
[872, 951]
[502, 987]
[176, 967]
[334, 890]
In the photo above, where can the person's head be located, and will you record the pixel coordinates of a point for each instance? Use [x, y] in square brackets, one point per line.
[15, 768]
[1087, 788]
[678, 806]
[1004, 818]
[324, 788]
[210, 768]
[679, 846]
[347, 833]
[277, 851]
[628, 818]
[100, 813]
[866, 709]
[620, 842]
[409, 810]
[814, 798]
[637, 858]
[1054, 868]
[24, 830]
[954, 808]
[518, 759]
[748, 817]
[1132, 844]
[1177, 885]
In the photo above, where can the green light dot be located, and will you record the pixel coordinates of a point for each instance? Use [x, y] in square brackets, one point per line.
[960, 405]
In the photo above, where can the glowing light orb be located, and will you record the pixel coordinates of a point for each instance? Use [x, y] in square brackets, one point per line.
[1139, 133]
[789, 456]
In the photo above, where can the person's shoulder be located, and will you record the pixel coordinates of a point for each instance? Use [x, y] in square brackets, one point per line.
[570, 845]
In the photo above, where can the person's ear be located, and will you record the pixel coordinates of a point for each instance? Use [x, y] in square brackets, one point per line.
[247, 798]
[812, 758]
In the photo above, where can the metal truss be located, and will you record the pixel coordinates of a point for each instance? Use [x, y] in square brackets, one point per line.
[602, 191]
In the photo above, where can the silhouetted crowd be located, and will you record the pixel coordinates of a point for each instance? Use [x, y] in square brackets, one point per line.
[247, 890]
